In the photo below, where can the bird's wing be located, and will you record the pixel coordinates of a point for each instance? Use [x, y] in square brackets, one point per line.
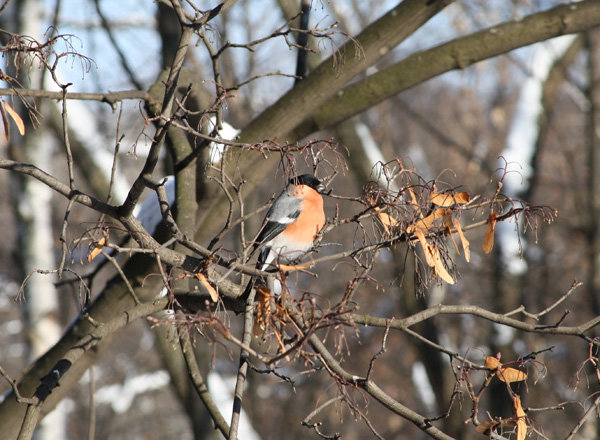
[269, 231]
[285, 210]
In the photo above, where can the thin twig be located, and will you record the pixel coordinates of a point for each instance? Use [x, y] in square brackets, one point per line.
[581, 421]
[243, 367]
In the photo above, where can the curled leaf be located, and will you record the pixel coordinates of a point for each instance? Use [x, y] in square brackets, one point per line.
[263, 311]
[424, 245]
[214, 296]
[521, 422]
[484, 427]
[438, 265]
[488, 240]
[386, 220]
[15, 116]
[426, 223]
[508, 375]
[492, 362]
[432, 256]
[463, 240]
[446, 200]
[413, 196]
[505, 374]
[97, 249]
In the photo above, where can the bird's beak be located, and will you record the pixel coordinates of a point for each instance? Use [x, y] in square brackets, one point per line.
[321, 188]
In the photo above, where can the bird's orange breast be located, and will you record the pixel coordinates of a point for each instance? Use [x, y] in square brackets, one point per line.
[311, 219]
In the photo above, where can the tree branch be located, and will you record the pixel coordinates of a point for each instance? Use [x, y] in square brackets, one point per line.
[457, 54]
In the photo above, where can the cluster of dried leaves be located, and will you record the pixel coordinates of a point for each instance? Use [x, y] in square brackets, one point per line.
[507, 375]
[411, 209]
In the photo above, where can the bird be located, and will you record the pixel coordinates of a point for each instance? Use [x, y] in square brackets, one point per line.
[291, 224]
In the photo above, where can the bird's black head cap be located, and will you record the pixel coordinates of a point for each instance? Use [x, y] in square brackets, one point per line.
[308, 180]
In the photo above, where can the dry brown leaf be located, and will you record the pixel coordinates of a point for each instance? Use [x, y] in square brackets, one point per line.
[439, 267]
[15, 116]
[426, 223]
[424, 245]
[263, 311]
[447, 223]
[97, 249]
[446, 200]
[214, 296]
[465, 243]
[488, 240]
[492, 362]
[386, 220]
[521, 422]
[451, 235]
[505, 374]
[447, 218]
[508, 374]
[413, 197]
[485, 426]
[432, 257]
[5, 121]
[462, 197]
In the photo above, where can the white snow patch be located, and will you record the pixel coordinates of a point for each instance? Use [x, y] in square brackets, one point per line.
[12, 327]
[149, 212]
[511, 248]
[228, 133]
[121, 396]
[423, 386]
[520, 144]
[221, 389]
[373, 152]
[503, 334]
[524, 128]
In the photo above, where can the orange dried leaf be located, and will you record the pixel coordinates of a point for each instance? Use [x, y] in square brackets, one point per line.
[521, 422]
[485, 426]
[488, 240]
[446, 200]
[447, 218]
[387, 221]
[447, 222]
[492, 362]
[214, 296]
[15, 116]
[465, 243]
[453, 241]
[505, 374]
[508, 375]
[438, 265]
[423, 241]
[97, 249]
[263, 311]
[5, 122]
[462, 197]
[426, 223]
[413, 197]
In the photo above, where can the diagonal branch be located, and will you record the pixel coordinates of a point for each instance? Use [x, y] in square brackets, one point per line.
[163, 123]
[457, 54]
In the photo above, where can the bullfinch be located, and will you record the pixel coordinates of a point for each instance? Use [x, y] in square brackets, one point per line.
[291, 224]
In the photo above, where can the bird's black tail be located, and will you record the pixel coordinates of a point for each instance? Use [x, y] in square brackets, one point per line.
[262, 257]
[248, 289]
